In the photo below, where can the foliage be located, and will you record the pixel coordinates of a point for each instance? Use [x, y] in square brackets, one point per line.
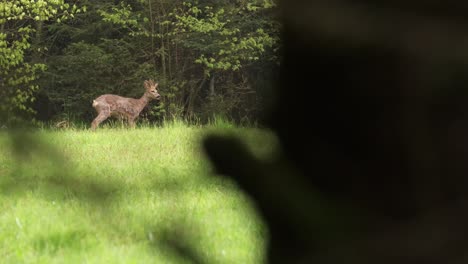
[226, 38]
[209, 57]
[18, 70]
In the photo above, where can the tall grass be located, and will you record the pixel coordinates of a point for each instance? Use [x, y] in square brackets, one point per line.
[124, 196]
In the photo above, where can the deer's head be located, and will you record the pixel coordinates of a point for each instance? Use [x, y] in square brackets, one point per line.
[151, 89]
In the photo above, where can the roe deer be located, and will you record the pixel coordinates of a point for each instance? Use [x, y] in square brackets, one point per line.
[129, 108]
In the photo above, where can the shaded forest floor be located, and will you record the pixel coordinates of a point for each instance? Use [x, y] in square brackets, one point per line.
[145, 195]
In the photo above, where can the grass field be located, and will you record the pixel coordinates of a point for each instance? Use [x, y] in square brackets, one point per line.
[124, 196]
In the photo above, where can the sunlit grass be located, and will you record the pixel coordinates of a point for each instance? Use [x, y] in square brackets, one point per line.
[125, 196]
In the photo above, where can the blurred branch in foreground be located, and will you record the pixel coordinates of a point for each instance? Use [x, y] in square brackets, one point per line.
[372, 117]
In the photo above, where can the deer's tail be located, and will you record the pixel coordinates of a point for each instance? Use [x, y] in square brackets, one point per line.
[95, 103]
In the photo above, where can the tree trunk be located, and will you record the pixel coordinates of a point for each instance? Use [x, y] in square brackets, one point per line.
[152, 33]
[191, 98]
[163, 45]
[212, 85]
[37, 41]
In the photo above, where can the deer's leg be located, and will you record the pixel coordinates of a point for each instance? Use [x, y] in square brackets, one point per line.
[101, 117]
[131, 122]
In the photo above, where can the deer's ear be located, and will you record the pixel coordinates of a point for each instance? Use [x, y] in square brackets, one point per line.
[147, 85]
[156, 85]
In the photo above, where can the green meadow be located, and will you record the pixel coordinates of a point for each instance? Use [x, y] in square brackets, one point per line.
[117, 195]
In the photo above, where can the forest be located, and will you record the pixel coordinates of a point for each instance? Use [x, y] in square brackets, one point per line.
[210, 58]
